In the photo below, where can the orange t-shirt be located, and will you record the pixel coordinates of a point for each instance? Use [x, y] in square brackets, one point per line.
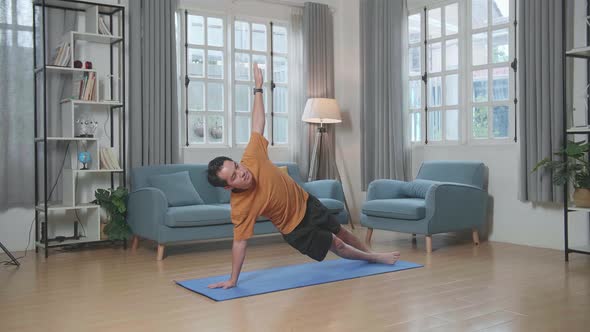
[274, 194]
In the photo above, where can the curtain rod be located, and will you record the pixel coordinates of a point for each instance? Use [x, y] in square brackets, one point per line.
[285, 3]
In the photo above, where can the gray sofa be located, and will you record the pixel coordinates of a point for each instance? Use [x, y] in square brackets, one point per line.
[151, 217]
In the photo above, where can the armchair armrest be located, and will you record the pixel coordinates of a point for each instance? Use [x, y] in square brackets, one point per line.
[455, 206]
[146, 210]
[385, 189]
[325, 189]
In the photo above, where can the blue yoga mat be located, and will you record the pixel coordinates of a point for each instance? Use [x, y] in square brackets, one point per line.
[294, 276]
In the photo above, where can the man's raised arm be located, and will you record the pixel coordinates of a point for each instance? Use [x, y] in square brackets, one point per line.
[258, 118]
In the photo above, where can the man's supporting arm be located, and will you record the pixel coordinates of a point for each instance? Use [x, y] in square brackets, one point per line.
[238, 256]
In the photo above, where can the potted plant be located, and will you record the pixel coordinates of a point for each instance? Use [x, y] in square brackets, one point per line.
[572, 167]
[114, 201]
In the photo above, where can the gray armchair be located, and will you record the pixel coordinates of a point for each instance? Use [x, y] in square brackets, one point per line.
[447, 196]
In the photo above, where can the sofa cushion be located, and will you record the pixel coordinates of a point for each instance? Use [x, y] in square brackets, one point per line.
[334, 206]
[177, 188]
[399, 208]
[198, 215]
[417, 188]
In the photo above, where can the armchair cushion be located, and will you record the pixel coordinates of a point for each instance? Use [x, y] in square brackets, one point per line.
[397, 208]
[177, 187]
[418, 188]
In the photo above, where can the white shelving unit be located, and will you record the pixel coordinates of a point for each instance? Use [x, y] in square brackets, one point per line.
[55, 123]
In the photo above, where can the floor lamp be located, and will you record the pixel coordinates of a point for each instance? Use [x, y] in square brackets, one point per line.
[14, 260]
[322, 111]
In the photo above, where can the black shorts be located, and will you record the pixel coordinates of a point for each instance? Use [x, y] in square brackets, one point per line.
[313, 235]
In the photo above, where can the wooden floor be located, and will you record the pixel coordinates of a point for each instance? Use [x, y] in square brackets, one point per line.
[494, 287]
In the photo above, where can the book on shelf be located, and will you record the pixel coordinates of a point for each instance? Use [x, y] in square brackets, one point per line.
[108, 159]
[61, 58]
[102, 27]
[85, 87]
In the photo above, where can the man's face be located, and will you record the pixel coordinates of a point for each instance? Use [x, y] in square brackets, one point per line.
[236, 175]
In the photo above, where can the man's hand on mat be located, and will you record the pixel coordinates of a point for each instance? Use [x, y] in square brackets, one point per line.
[224, 284]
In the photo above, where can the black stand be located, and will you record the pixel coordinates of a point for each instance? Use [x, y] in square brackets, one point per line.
[14, 261]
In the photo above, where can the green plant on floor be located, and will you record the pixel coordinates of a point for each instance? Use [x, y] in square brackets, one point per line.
[114, 201]
[571, 166]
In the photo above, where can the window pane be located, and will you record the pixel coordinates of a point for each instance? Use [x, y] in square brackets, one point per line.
[24, 14]
[242, 129]
[434, 125]
[259, 37]
[480, 86]
[261, 61]
[452, 19]
[214, 31]
[242, 67]
[500, 82]
[243, 93]
[414, 29]
[215, 64]
[279, 39]
[480, 122]
[415, 94]
[452, 125]
[215, 129]
[195, 31]
[242, 35]
[500, 121]
[196, 100]
[415, 64]
[195, 62]
[279, 68]
[196, 129]
[452, 55]
[215, 97]
[434, 23]
[435, 91]
[479, 13]
[6, 37]
[280, 129]
[280, 99]
[452, 89]
[480, 49]
[416, 134]
[500, 11]
[25, 39]
[500, 51]
[434, 58]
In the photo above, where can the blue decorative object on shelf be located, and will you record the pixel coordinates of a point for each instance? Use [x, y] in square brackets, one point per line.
[84, 158]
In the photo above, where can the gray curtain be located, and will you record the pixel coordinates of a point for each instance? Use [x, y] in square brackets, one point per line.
[17, 162]
[385, 150]
[318, 67]
[154, 136]
[540, 81]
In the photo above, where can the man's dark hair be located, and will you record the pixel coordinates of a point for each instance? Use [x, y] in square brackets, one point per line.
[214, 167]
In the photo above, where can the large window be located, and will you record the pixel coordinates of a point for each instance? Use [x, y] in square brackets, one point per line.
[219, 72]
[462, 50]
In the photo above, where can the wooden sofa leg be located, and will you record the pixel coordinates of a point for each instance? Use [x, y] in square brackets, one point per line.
[369, 234]
[160, 252]
[475, 237]
[429, 243]
[135, 242]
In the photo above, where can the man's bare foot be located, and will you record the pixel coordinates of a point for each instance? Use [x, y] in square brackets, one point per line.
[387, 257]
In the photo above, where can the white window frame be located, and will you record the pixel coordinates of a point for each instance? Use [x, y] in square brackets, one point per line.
[267, 95]
[229, 81]
[465, 106]
[206, 113]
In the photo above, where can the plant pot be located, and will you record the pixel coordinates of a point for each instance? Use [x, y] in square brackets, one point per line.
[582, 197]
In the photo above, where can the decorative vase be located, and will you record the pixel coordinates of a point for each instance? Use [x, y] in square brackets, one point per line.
[582, 197]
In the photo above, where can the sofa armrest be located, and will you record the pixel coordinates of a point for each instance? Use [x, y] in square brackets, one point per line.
[325, 189]
[385, 189]
[146, 209]
[454, 206]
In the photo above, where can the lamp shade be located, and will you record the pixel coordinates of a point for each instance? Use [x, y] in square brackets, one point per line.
[321, 110]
